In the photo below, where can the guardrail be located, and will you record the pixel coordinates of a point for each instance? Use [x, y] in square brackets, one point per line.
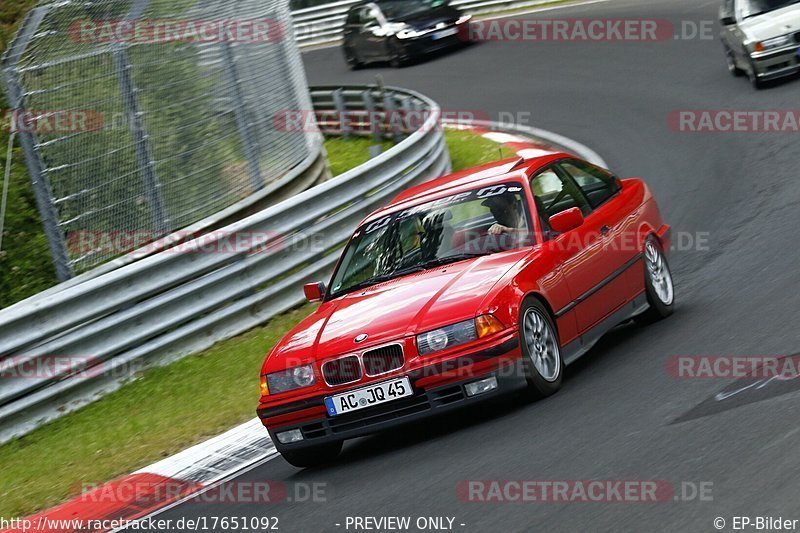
[323, 24]
[71, 345]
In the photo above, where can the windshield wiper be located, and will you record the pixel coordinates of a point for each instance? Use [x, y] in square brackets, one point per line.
[440, 261]
[380, 279]
[446, 260]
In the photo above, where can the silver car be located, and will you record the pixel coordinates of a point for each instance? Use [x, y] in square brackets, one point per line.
[761, 38]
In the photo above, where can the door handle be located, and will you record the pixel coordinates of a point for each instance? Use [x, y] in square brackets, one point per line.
[604, 230]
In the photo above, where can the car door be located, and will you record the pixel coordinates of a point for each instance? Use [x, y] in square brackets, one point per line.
[585, 266]
[617, 215]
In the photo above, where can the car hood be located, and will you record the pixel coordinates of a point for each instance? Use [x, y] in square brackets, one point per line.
[430, 19]
[404, 306]
[773, 24]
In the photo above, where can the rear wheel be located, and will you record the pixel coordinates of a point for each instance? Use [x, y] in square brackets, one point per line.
[544, 367]
[658, 284]
[319, 455]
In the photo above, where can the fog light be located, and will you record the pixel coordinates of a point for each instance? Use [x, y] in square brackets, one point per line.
[481, 386]
[287, 437]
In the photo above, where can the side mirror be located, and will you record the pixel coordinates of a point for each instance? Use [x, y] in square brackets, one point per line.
[314, 291]
[727, 20]
[566, 220]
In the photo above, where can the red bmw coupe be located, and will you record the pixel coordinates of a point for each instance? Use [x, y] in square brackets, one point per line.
[465, 287]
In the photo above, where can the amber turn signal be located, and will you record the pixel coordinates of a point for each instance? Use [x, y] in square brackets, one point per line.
[486, 325]
[264, 386]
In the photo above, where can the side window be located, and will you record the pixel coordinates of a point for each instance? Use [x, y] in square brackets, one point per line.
[354, 17]
[596, 184]
[369, 17]
[554, 194]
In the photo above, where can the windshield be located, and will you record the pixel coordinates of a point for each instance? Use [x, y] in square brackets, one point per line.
[400, 9]
[751, 8]
[461, 226]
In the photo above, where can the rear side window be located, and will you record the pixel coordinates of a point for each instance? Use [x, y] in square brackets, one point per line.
[596, 184]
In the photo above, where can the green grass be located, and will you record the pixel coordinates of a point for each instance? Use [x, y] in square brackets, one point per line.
[167, 409]
[345, 154]
[469, 150]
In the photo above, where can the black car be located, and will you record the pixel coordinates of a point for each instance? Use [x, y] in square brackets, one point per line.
[400, 30]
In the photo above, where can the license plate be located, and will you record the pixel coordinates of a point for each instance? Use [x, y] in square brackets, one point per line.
[445, 33]
[368, 396]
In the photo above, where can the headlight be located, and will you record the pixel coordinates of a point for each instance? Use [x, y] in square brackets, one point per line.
[455, 334]
[771, 44]
[294, 378]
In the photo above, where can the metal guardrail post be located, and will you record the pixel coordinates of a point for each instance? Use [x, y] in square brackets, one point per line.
[374, 124]
[144, 154]
[341, 111]
[242, 124]
[392, 119]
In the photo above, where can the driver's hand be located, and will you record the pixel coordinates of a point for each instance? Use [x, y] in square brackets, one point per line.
[498, 229]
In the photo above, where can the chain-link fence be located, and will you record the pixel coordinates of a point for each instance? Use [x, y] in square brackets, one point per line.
[141, 117]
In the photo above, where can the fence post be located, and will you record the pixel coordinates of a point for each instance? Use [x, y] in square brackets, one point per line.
[141, 140]
[30, 146]
[41, 185]
[242, 124]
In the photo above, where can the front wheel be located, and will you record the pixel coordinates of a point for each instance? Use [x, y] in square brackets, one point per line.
[351, 58]
[752, 75]
[544, 367]
[730, 59]
[658, 284]
[319, 455]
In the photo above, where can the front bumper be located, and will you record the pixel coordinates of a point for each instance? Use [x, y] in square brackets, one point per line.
[777, 63]
[425, 402]
[426, 44]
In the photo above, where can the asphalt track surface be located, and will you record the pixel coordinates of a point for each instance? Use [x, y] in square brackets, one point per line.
[620, 415]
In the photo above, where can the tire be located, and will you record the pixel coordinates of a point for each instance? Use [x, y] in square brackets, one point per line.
[755, 81]
[658, 284]
[319, 455]
[730, 58]
[541, 350]
[351, 58]
[398, 57]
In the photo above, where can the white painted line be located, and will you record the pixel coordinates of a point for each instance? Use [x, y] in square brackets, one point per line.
[530, 153]
[570, 145]
[503, 138]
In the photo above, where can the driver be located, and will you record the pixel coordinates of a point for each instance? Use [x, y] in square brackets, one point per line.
[507, 213]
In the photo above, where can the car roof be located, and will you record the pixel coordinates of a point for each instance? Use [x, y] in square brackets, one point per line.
[510, 169]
